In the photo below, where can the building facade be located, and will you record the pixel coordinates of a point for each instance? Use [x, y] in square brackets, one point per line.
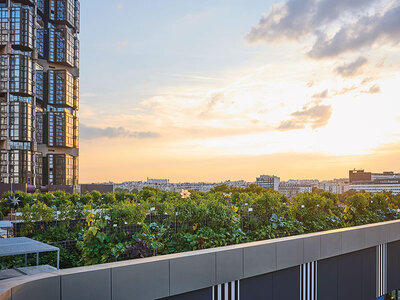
[39, 92]
[290, 189]
[268, 182]
[336, 186]
[374, 182]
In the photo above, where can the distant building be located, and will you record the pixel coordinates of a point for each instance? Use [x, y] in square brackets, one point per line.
[166, 185]
[268, 182]
[336, 186]
[359, 180]
[362, 176]
[157, 181]
[312, 182]
[377, 186]
[291, 188]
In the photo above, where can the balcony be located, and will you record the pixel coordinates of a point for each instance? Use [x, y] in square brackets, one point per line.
[22, 34]
[60, 169]
[61, 89]
[21, 74]
[65, 12]
[63, 44]
[60, 129]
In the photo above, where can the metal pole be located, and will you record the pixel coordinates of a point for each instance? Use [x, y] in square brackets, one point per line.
[58, 259]
[37, 258]
[26, 260]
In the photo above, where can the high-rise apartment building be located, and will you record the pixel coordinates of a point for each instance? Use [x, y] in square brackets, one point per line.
[268, 182]
[39, 92]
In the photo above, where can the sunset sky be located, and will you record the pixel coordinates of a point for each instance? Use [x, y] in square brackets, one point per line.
[213, 90]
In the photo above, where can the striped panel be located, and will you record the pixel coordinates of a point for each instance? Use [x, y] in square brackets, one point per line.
[308, 281]
[226, 291]
[381, 270]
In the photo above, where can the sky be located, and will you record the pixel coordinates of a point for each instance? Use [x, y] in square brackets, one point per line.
[230, 89]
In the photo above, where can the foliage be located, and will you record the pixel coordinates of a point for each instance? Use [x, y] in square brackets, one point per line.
[123, 225]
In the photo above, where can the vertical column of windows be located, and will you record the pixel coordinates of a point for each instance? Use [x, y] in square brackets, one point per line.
[4, 165]
[4, 73]
[4, 25]
[3, 120]
[39, 84]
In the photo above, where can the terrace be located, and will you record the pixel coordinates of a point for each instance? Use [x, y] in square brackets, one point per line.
[216, 245]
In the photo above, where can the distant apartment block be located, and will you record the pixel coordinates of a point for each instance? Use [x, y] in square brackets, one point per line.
[293, 187]
[268, 182]
[336, 186]
[359, 180]
[39, 92]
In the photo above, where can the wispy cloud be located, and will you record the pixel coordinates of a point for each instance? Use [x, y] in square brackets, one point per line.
[367, 80]
[321, 95]
[197, 16]
[353, 68]
[315, 116]
[346, 90]
[90, 133]
[212, 102]
[375, 89]
[121, 45]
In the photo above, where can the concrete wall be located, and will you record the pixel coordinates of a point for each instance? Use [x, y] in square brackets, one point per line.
[102, 188]
[275, 263]
[6, 187]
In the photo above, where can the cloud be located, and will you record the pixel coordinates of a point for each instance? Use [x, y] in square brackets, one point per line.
[346, 90]
[321, 95]
[121, 45]
[90, 133]
[353, 68]
[315, 116]
[375, 89]
[211, 104]
[197, 16]
[367, 80]
[363, 33]
[335, 26]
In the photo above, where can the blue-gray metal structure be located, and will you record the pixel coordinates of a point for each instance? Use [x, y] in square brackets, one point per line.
[25, 246]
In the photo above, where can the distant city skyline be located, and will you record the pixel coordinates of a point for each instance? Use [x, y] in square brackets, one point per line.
[214, 90]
